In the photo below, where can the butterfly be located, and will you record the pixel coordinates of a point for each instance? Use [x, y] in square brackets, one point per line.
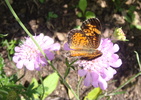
[84, 42]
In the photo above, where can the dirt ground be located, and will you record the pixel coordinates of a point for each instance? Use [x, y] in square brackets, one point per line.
[34, 15]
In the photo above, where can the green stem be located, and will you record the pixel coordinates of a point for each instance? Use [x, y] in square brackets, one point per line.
[78, 86]
[42, 85]
[63, 80]
[137, 56]
[111, 93]
[22, 25]
[127, 82]
[22, 75]
[7, 45]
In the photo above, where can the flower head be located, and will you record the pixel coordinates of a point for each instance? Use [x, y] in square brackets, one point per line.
[100, 70]
[119, 35]
[28, 54]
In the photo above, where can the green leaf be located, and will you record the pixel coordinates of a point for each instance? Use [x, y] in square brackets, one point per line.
[3, 91]
[82, 5]
[89, 14]
[79, 14]
[50, 82]
[67, 62]
[69, 66]
[131, 10]
[128, 19]
[138, 27]
[35, 83]
[77, 27]
[93, 94]
[116, 93]
[55, 15]
[4, 80]
[132, 26]
[40, 89]
[73, 62]
[51, 15]
[3, 35]
[42, 1]
[1, 63]
[12, 95]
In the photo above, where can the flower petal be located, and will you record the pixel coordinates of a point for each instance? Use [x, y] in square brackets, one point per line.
[16, 59]
[66, 47]
[30, 65]
[20, 64]
[87, 80]
[102, 83]
[49, 55]
[94, 75]
[82, 72]
[116, 48]
[55, 46]
[116, 64]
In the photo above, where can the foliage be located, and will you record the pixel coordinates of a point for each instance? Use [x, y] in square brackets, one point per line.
[131, 18]
[82, 6]
[51, 15]
[3, 35]
[118, 4]
[69, 66]
[42, 1]
[9, 90]
[49, 83]
[93, 94]
[10, 45]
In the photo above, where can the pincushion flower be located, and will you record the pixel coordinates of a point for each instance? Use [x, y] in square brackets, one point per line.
[28, 54]
[100, 70]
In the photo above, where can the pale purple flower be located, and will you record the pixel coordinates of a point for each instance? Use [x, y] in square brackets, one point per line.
[28, 54]
[100, 70]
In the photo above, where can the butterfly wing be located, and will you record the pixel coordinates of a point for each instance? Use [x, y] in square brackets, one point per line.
[92, 29]
[77, 40]
[84, 43]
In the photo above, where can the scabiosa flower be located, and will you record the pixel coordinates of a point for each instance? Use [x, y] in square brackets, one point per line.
[28, 54]
[100, 70]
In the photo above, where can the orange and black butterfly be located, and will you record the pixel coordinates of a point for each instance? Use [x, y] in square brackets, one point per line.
[84, 42]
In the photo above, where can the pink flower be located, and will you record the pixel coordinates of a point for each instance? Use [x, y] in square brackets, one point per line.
[100, 70]
[28, 54]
